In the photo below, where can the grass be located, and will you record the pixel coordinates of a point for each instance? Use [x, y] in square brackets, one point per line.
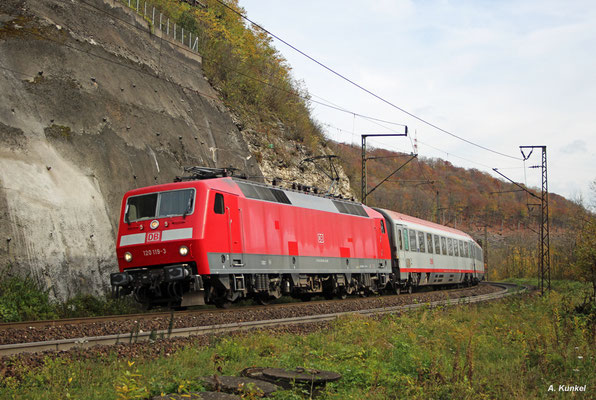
[23, 299]
[515, 348]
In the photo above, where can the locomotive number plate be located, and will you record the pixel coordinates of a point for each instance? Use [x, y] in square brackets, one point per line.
[153, 236]
[154, 252]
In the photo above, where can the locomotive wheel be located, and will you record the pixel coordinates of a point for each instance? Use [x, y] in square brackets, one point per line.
[397, 290]
[410, 289]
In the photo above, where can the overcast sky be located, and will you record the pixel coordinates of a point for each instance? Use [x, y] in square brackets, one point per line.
[498, 73]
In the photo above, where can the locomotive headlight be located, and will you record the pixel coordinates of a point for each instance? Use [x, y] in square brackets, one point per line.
[183, 250]
[127, 257]
[154, 224]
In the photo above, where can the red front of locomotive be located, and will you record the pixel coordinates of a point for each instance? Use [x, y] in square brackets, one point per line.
[158, 244]
[158, 225]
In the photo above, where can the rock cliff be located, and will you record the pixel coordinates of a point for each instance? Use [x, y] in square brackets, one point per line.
[92, 104]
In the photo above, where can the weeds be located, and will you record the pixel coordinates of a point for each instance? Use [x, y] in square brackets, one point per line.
[511, 348]
[24, 299]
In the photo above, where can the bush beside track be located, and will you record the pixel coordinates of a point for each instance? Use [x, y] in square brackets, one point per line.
[23, 299]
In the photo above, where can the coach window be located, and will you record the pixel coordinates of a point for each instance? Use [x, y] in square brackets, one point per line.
[399, 238]
[444, 245]
[421, 244]
[429, 242]
[455, 248]
[437, 244]
[450, 246]
[413, 246]
[218, 206]
[461, 248]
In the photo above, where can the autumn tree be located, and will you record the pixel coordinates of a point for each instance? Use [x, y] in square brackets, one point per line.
[585, 247]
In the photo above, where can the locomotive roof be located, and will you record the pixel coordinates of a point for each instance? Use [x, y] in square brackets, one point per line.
[264, 192]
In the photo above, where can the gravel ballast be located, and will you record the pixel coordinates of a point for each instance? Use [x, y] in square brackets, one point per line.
[217, 317]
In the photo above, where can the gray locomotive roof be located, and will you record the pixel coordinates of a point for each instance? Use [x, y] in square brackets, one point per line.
[258, 191]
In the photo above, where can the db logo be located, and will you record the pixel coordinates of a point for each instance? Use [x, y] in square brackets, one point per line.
[321, 237]
[153, 236]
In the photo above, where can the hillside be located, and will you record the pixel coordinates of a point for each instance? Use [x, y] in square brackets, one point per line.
[95, 102]
[466, 197]
[494, 212]
[97, 99]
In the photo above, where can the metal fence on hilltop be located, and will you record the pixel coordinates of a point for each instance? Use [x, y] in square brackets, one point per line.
[162, 22]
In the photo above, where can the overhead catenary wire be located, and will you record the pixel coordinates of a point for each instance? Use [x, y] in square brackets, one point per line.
[148, 73]
[156, 76]
[363, 88]
[388, 147]
[324, 102]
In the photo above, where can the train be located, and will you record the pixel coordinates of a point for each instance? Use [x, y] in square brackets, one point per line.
[215, 238]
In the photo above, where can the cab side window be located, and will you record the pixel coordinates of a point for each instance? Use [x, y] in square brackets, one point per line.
[218, 205]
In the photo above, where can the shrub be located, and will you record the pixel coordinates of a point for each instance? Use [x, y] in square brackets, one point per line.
[23, 299]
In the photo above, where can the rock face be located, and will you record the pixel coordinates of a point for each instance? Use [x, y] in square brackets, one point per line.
[93, 104]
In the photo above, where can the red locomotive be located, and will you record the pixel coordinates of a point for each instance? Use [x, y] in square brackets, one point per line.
[214, 238]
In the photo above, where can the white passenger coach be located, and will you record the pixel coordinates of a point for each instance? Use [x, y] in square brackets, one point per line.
[426, 253]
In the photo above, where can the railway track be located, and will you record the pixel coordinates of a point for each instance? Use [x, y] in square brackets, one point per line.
[507, 289]
[150, 315]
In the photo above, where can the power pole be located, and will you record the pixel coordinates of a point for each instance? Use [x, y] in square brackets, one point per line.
[544, 218]
[363, 189]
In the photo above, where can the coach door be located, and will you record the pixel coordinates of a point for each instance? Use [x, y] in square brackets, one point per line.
[401, 245]
[235, 233]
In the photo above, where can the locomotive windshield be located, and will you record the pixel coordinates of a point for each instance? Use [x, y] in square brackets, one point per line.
[159, 205]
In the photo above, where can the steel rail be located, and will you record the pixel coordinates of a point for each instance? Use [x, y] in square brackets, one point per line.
[135, 337]
[161, 314]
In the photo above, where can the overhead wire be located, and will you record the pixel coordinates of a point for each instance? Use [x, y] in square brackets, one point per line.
[363, 88]
[374, 120]
[324, 103]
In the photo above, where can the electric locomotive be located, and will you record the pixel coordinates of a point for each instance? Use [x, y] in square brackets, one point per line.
[213, 238]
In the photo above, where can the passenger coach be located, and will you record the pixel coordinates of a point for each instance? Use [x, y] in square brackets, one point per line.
[426, 253]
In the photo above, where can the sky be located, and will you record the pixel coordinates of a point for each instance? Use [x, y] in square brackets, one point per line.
[500, 74]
